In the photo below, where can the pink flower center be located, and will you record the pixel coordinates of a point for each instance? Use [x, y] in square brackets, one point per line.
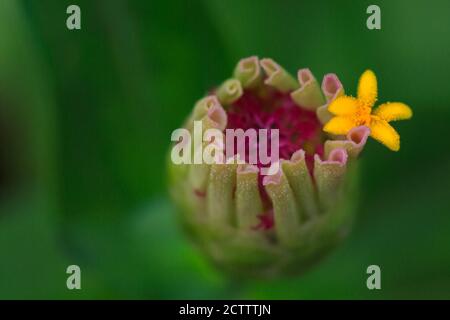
[298, 128]
[269, 109]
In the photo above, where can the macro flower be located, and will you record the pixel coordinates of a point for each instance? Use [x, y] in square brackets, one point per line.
[268, 225]
[351, 112]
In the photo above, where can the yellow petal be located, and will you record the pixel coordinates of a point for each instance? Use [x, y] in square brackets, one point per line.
[393, 111]
[343, 105]
[367, 88]
[339, 125]
[383, 132]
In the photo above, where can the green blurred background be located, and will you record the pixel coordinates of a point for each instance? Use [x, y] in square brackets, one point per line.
[85, 123]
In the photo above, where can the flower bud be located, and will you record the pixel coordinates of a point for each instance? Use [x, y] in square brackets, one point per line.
[268, 219]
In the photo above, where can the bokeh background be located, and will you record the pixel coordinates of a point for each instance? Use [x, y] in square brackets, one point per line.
[85, 124]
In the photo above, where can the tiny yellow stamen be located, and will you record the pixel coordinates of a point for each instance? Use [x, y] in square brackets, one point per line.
[352, 112]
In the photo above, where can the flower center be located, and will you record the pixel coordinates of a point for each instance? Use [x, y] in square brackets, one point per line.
[269, 109]
[362, 116]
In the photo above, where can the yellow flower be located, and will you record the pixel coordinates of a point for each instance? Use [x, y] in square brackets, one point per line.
[351, 112]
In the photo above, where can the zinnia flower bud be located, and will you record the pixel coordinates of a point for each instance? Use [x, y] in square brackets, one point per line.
[266, 225]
